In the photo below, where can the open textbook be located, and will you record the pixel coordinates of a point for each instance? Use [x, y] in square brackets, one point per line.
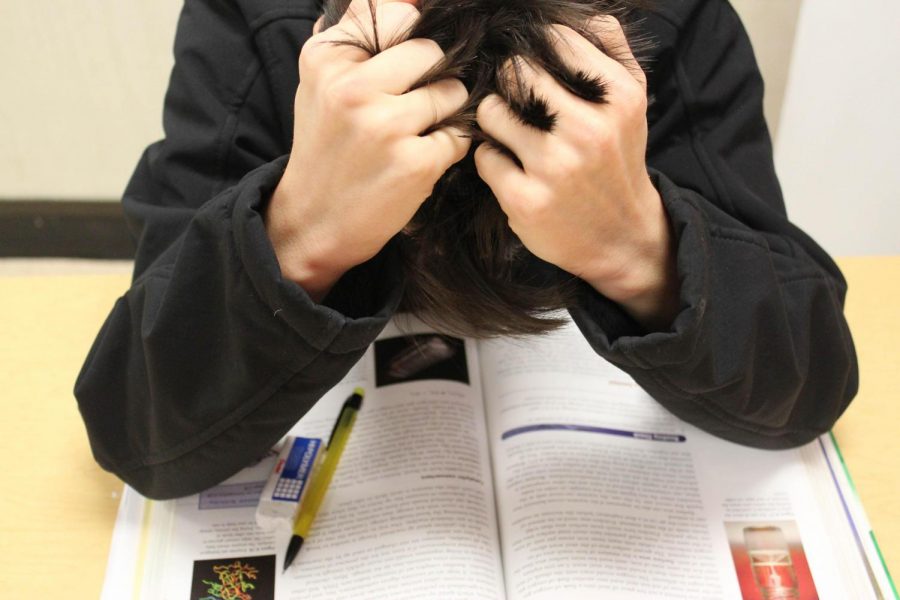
[522, 469]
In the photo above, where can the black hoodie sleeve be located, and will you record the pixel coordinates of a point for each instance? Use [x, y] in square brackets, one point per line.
[211, 356]
[760, 353]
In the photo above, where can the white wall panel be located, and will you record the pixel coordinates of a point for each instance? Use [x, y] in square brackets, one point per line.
[837, 151]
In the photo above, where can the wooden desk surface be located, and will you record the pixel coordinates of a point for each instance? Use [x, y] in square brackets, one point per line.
[58, 507]
[868, 433]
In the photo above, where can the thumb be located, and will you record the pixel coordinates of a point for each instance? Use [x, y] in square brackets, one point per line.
[318, 26]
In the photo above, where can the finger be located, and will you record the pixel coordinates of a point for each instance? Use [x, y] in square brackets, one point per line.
[502, 175]
[358, 8]
[536, 80]
[329, 19]
[578, 54]
[609, 31]
[497, 119]
[317, 27]
[442, 148]
[393, 19]
[396, 69]
[423, 107]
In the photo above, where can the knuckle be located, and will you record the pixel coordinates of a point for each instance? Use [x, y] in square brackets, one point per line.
[448, 93]
[591, 133]
[604, 144]
[563, 34]
[347, 92]
[635, 101]
[418, 167]
[426, 171]
[442, 151]
[482, 159]
[312, 56]
[608, 29]
[372, 125]
[567, 164]
[429, 48]
[534, 211]
[640, 101]
[487, 108]
[607, 23]
[533, 199]
[634, 68]
[530, 206]
[635, 104]
[457, 91]
[398, 12]
[395, 21]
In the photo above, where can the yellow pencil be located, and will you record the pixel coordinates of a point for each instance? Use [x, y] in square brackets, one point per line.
[322, 477]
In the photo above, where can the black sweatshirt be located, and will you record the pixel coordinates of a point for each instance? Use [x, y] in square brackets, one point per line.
[212, 356]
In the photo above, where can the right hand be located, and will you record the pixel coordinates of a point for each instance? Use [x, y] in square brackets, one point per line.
[358, 168]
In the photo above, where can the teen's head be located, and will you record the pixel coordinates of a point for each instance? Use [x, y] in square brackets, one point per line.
[466, 271]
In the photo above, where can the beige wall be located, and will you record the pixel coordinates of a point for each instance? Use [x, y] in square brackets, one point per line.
[82, 91]
[771, 25]
[84, 82]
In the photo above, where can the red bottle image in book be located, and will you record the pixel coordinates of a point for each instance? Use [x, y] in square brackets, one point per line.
[770, 559]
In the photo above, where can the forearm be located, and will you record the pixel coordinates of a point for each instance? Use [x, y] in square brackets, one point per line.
[211, 356]
[759, 352]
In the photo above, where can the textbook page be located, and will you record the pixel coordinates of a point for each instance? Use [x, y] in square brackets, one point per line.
[409, 514]
[603, 493]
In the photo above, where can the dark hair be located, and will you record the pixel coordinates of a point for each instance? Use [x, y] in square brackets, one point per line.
[466, 271]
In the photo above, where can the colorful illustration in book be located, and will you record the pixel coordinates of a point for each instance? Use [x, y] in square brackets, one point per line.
[770, 561]
[246, 578]
[420, 357]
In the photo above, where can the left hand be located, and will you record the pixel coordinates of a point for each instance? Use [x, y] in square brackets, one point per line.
[583, 199]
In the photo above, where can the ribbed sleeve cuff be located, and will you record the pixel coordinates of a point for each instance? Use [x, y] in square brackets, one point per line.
[376, 286]
[616, 336]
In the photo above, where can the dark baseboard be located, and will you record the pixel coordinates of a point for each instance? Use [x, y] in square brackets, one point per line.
[67, 229]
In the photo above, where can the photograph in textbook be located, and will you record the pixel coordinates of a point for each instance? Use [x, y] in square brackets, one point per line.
[419, 358]
[770, 561]
[246, 578]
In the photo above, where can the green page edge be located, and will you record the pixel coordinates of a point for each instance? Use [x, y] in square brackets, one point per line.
[884, 566]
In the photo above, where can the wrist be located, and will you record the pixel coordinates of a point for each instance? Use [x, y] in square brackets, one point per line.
[302, 259]
[644, 281]
[650, 296]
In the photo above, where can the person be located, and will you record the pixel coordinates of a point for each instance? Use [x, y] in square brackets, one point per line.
[267, 223]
